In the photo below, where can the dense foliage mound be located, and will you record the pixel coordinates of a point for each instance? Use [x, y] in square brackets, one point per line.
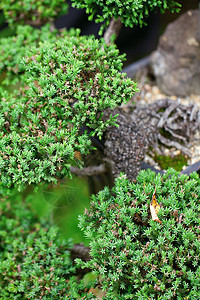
[34, 261]
[68, 83]
[137, 257]
[33, 12]
[131, 12]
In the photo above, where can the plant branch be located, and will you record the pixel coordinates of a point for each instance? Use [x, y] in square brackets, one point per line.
[113, 28]
[88, 171]
[80, 251]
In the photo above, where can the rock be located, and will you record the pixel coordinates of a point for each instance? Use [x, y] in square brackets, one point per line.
[176, 62]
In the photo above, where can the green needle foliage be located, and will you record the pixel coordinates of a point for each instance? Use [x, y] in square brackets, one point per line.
[136, 257]
[34, 262]
[33, 12]
[68, 83]
[26, 36]
[131, 12]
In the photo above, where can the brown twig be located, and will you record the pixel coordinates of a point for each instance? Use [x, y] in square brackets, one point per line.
[180, 218]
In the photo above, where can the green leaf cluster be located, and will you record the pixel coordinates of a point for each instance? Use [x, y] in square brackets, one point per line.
[33, 12]
[136, 257]
[131, 12]
[68, 83]
[13, 49]
[34, 262]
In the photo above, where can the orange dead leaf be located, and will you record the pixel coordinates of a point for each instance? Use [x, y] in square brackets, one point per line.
[97, 292]
[154, 208]
[77, 155]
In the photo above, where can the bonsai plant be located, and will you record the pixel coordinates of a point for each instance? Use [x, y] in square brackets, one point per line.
[70, 83]
[67, 81]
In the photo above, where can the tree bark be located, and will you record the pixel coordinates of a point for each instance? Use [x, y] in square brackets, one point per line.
[113, 28]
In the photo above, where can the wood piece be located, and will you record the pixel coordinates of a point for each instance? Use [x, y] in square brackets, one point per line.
[173, 144]
[183, 138]
[167, 113]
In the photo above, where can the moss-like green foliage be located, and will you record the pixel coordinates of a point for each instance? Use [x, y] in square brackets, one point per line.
[166, 161]
[70, 83]
[136, 257]
[34, 262]
[13, 49]
[34, 12]
[131, 12]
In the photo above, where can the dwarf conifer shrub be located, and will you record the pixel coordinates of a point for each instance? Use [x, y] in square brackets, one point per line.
[34, 12]
[137, 257]
[131, 12]
[68, 83]
[34, 261]
[81, 77]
